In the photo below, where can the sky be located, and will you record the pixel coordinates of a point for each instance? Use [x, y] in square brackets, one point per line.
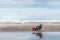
[30, 9]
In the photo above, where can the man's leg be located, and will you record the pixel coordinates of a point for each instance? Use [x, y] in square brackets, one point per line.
[36, 29]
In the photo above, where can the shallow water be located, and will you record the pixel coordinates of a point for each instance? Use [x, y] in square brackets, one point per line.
[51, 36]
[29, 36]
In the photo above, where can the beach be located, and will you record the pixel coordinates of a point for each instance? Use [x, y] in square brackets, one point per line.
[46, 27]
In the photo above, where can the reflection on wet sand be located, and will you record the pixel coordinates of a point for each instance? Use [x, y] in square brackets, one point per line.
[39, 34]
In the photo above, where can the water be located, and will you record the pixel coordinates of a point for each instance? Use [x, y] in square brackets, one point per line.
[29, 36]
[51, 35]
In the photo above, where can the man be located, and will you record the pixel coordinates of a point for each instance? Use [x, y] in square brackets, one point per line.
[40, 27]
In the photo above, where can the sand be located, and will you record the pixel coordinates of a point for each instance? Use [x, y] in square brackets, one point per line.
[46, 27]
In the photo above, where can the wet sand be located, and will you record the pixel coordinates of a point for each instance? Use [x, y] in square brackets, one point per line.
[46, 27]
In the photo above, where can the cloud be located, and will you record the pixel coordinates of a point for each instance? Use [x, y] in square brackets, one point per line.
[30, 13]
[41, 11]
[5, 0]
[21, 9]
[29, 3]
[20, 1]
[54, 3]
[14, 3]
[50, 2]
